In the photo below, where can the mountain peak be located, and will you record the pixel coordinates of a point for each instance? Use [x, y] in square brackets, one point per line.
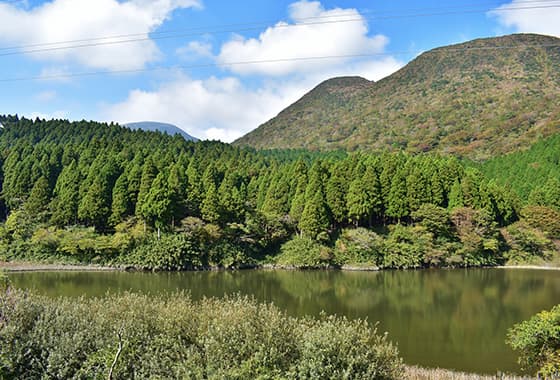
[473, 99]
[170, 129]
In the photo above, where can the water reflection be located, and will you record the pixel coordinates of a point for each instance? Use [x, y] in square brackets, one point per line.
[447, 318]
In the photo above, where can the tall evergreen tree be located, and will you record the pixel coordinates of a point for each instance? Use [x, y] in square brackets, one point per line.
[456, 198]
[156, 209]
[336, 190]
[314, 219]
[398, 205]
[39, 198]
[121, 205]
[149, 173]
[210, 208]
[66, 196]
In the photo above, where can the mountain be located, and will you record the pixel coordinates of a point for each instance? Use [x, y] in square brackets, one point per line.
[474, 99]
[170, 129]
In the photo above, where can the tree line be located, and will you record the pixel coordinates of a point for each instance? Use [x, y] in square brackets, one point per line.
[60, 174]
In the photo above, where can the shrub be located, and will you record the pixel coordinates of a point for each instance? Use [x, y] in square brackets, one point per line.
[526, 244]
[358, 246]
[304, 252]
[435, 219]
[170, 252]
[174, 337]
[538, 343]
[406, 247]
[479, 236]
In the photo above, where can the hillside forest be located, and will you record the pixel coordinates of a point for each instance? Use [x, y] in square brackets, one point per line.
[87, 192]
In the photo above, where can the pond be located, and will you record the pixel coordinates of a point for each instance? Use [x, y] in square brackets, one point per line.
[455, 319]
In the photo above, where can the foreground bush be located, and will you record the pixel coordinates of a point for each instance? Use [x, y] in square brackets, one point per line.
[138, 336]
[538, 342]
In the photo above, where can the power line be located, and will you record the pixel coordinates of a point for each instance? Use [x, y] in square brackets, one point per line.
[277, 60]
[83, 43]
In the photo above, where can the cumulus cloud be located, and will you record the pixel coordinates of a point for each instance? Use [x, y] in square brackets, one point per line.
[542, 21]
[72, 20]
[214, 108]
[325, 35]
[227, 108]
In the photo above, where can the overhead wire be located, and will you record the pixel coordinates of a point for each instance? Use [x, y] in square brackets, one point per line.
[300, 22]
[264, 61]
[276, 60]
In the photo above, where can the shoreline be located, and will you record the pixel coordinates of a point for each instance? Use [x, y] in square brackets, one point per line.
[12, 267]
[539, 267]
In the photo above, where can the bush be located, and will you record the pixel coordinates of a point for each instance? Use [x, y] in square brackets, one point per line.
[173, 337]
[538, 343]
[406, 247]
[527, 245]
[435, 219]
[170, 252]
[358, 246]
[305, 253]
[479, 236]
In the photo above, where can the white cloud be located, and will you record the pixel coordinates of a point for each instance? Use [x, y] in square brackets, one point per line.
[46, 96]
[71, 20]
[328, 36]
[226, 108]
[208, 109]
[542, 21]
[194, 50]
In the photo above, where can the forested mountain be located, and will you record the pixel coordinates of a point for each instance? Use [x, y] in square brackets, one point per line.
[533, 173]
[91, 191]
[475, 99]
[170, 129]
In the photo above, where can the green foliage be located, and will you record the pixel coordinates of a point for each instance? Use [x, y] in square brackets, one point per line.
[314, 219]
[174, 337]
[156, 208]
[358, 246]
[435, 219]
[125, 184]
[543, 218]
[481, 243]
[170, 252]
[527, 245]
[538, 343]
[533, 173]
[4, 283]
[405, 247]
[304, 252]
[39, 197]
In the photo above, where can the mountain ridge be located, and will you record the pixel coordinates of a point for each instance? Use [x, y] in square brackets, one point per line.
[168, 128]
[474, 99]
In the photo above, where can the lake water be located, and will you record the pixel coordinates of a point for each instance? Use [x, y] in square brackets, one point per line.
[439, 318]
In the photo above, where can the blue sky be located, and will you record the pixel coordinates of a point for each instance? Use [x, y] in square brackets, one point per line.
[179, 61]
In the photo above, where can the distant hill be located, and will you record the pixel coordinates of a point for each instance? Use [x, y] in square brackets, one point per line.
[170, 129]
[474, 99]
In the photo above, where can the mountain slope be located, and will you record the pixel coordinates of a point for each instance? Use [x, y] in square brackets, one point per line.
[474, 99]
[170, 129]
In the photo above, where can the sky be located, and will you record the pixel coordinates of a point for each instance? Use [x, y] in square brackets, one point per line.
[217, 68]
